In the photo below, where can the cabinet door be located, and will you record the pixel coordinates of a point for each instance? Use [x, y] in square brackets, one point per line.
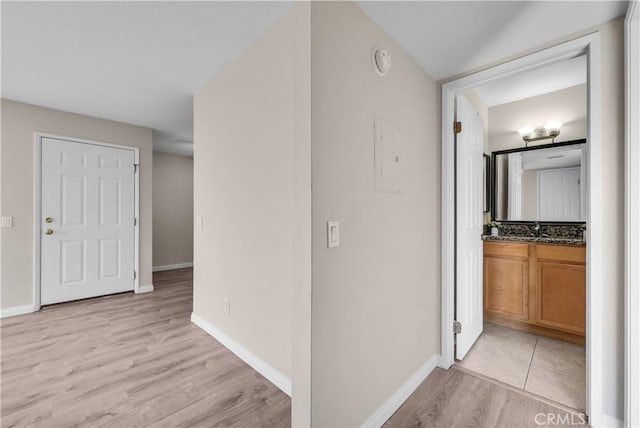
[506, 287]
[560, 291]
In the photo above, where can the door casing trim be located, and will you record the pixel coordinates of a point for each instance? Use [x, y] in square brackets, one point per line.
[632, 216]
[37, 227]
[590, 46]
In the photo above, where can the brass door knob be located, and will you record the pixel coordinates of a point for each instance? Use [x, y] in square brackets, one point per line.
[48, 232]
[48, 220]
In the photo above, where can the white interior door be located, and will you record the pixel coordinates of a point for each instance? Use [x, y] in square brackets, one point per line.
[559, 195]
[469, 223]
[87, 224]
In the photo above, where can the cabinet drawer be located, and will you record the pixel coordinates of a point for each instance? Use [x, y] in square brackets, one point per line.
[506, 249]
[561, 253]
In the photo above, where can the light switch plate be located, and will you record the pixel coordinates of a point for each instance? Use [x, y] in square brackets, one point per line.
[333, 234]
[7, 222]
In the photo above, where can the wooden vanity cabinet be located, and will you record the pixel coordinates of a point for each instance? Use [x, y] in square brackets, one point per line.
[506, 280]
[561, 287]
[538, 288]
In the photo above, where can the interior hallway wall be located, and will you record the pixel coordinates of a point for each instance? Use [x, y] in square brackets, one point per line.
[376, 300]
[252, 191]
[19, 123]
[172, 209]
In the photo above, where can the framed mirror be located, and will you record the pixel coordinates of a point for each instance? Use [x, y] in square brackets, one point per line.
[542, 183]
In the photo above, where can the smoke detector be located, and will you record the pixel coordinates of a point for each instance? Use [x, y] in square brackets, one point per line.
[381, 61]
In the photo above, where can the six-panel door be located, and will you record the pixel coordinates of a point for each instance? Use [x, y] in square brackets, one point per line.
[87, 224]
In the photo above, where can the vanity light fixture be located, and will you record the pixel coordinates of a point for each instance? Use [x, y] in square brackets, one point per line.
[549, 130]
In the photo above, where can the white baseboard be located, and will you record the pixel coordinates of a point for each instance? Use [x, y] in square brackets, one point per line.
[145, 288]
[16, 310]
[259, 365]
[610, 422]
[173, 266]
[400, 396]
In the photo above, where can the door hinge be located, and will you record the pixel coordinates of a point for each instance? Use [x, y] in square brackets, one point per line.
[135, 274]
[135, 221]
[457, 127]
[457, 327]
[135, 168]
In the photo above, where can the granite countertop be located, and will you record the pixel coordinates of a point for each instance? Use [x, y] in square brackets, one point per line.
[537, 239]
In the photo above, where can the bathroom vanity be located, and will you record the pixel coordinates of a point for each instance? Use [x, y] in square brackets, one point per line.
[535, 272]
[536, 285]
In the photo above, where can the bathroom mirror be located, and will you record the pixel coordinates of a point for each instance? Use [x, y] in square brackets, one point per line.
[541, 183]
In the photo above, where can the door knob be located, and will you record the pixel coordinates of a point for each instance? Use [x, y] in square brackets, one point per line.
[48, 220]
[48, 232]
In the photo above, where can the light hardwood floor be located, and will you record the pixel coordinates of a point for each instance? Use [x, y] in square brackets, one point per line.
[136, 360]
[451, 398]
[129, 361]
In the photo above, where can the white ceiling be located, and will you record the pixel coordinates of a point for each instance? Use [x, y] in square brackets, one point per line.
[542, 80]
[141, 62]
[450, 37]
[134, 62]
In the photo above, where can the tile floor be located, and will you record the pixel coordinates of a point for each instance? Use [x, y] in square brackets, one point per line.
[543, 366]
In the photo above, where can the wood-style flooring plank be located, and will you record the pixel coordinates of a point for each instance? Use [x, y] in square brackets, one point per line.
[137, 361]
[452, 398]
[128, 361]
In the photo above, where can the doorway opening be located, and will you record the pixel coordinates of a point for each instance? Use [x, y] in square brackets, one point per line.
[523, 305]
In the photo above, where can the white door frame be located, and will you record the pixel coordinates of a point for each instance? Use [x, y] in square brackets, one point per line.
[632, 217]
[37, 229]
[589, 45]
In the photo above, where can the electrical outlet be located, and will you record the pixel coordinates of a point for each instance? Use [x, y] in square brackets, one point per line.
[227, 305]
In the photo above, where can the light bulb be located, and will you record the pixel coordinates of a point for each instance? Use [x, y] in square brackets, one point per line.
[553, 126]
[526, 131]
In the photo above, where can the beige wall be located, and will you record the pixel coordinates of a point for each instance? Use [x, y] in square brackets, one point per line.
[376, 304]
[612, 129]
[19, 123]
[301, 366]
[250, 189]
[568, 105]
[172, 209]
